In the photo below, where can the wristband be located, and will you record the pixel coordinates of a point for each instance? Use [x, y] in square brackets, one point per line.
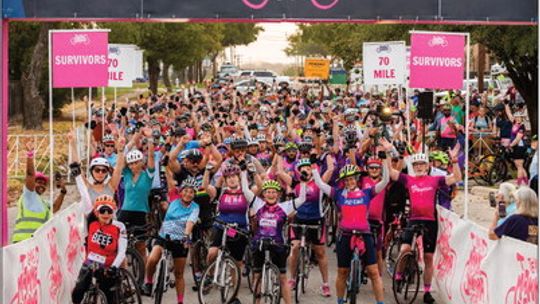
[63, 191]
[30, 154]
[454, 161]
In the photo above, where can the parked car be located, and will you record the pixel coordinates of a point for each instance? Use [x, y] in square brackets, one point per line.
[227, 69]
[244, 86]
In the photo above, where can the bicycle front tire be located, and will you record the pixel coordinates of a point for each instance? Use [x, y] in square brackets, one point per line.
[135, 264]
[271, 294]
[224, 294]
[94, 296]
[410, 282]
[353, 287]
[160, 285]
[129, 288]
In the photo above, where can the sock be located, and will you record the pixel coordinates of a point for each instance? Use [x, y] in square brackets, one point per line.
[180, 298]
[340, 301]
[148, 280]
[427, 287]
[399, 275]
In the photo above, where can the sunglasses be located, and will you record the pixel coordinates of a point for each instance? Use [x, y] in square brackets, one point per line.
[109, 146]
[97, 170]
[104, 210]
[373, 168]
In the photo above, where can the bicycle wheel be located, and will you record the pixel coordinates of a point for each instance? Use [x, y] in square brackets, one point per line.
[353, 283]
[160, 283]
[392, 254]
[406, 290]
[198, 260]
[480, 169]
[135, 265]
[129, 289]
[94, 296]
[498, 172]
[271, 293]
[248, 268]
[220, 291]
[299, 280]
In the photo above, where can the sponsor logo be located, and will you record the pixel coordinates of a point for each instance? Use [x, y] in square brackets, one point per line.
[384, 48]
[80, 39]
[438, 41]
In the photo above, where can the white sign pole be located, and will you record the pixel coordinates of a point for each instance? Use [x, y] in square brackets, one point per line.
[102, 112]
[51, 135]
[467, 100]
[115, 98]
[89, 131]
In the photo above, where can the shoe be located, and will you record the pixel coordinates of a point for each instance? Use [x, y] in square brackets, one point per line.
[399, 284]
[325, 290]
[146, 289]
[428, 298]
[292, 283]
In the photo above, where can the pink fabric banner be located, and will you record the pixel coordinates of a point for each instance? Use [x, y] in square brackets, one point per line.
[437, 61]
[79, 59]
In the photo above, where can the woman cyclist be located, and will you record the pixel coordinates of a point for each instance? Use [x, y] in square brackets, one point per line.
[353, 205]
[270, 217]
[181, 216]
[517, 144]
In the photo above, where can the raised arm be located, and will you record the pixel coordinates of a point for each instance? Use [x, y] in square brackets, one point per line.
[392, 173]
[325, 188]
[297, 202]
[385, 177]
[30, 181]
[250, 196]
[120, 163]
[508, 111]
[211, 190]
[456, 171]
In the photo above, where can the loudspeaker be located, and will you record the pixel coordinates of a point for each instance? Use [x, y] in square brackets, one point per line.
[425, 105]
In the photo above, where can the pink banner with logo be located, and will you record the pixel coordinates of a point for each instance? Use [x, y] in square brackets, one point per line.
[437, 61]
[79, 59]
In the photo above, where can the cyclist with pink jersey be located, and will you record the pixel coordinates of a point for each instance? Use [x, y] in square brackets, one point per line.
[353, 204]
[422, 192]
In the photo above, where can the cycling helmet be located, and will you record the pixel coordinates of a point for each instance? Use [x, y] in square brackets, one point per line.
[439, 156]
[279, 140]
[231, 170]
[305, 146]
[348, 170]
[271, 184]
[419, 158]
[374, 161]
[193, 155]
[99, 161]
[349, 112]
[261, 138]
[252, 142]
[108, 138]
[42, 176]
[134, 156]
[189, 182]
[104, 200]
[303, 162]
[239, 143]
[290, 146]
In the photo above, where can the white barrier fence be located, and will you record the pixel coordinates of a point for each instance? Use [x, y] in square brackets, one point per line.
[44, 269]
[469, 268]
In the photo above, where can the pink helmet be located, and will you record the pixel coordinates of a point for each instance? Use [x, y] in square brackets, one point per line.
[231, 170]
[40, 175]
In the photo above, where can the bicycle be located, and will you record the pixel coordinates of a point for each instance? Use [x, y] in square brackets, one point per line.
[247, 271]
[330, 221]
[129, 292]
[223, 274]
[410, 263]
[135, 262]
[267, 287]
[94, 295]
[162, 276]
[357, 274]
[303, 265]
[392, 242]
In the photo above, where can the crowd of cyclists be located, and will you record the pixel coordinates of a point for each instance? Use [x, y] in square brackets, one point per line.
[172, 171]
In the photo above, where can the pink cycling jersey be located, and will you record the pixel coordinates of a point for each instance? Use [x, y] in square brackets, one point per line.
[422, 193]
[376, 206]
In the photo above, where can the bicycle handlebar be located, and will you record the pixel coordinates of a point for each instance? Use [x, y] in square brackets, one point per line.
[233, 226]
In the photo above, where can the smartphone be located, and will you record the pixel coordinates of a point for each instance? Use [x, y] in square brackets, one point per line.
[492, 201]
[502, 210]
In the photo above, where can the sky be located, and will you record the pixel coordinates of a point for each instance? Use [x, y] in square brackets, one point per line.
[269, 46]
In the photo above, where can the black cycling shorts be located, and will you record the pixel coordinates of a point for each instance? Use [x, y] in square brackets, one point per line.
[430, 234]
[345, 253]
[132, 219]
[313, 236]
[177, 250]
[278, 255]
[519, 153]
[236, 245]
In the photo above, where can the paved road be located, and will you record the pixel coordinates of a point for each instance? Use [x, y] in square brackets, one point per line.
[312, 295]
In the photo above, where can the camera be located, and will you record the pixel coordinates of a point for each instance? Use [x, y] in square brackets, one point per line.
[351, 138]
[304, 176]
[502, 210]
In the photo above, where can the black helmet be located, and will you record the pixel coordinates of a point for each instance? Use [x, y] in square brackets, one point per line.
[193, 155]
[239, 143]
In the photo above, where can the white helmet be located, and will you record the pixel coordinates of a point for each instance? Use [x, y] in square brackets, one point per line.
[419, 158]
[108, 138]
[133, 156]
[99, 161]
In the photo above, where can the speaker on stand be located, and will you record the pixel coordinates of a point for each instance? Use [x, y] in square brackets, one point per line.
[425, 112]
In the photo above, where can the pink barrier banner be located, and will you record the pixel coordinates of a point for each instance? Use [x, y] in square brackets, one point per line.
[437, 61]
[79, 58]
[470, 268]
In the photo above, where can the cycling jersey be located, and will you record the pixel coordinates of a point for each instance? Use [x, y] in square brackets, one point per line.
[312, 209]
[233, 207]
[136, 193]
[201, 196]
[376, 206]
[106, 243]
[270, 219]
[353, 207]
[422, 191]
[176, 218]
